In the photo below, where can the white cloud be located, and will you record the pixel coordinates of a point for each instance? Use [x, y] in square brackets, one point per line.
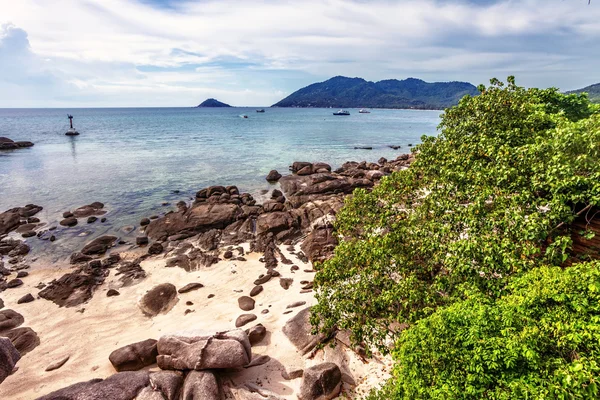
[101, 47]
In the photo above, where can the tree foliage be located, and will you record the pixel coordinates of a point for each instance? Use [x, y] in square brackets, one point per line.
[541, 340]
[486, 200]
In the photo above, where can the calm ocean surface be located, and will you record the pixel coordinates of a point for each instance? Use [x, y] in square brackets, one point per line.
[132, 159]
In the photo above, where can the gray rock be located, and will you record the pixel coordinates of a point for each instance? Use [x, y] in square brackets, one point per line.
[244, 319]
[28, 298]
[246, 303]
[259, 360]
[201, 385]
[292, 373]
[121, 386]
[57, 364]
[298, 331]
[159, 299]
[134, 356]
[167, 383]
[321, 382]
[256, 334]
[256, 290]
[191, 286]
[200, 351]
[9, 356]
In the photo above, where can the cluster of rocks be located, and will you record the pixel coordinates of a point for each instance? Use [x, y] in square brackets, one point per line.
[19, 218]
[15, 341]
[90, 211]
[194, 366]
[9, 144]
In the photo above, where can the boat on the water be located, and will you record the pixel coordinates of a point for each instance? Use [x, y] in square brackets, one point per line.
[363, 111]
[260, 111]
[342, 112]
[243, 116]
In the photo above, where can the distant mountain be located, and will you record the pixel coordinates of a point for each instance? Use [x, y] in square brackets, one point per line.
[593, 91]
[342, 92]
[213, 103]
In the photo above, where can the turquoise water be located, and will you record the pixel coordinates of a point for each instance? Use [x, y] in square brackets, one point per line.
[132, 159]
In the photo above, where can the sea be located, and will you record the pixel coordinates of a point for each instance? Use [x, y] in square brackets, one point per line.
[141, 161]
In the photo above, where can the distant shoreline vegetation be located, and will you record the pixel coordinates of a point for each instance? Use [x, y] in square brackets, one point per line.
[411, 93]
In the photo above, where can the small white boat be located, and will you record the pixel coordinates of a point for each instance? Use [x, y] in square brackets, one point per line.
[341, 112]
[363, 111]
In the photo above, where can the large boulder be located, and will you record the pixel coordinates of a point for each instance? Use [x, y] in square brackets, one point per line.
[24, 339]
[134, 356]
[9, 356]
[121, 386]
[200, 218]
[99, 245]
[321, 382]
[167, 383]
[275, 222]
[95, 208]
[200, 351]
[319, 243]
[10, 219]
[201, 385]
[160, 299]
[10, 319]
[298, 331]
[273, 176]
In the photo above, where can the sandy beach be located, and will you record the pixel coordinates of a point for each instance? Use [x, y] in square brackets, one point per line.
[88, 333]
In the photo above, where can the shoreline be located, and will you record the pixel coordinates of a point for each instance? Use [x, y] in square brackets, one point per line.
[223, 240]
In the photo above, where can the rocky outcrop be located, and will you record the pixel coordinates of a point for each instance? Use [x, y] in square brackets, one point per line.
[321, 382]
[134, 356]
[9, 356]
[199, 351]
[9, 144]
[74, 288]
[320, 243]
[95, 209]
[11, 219]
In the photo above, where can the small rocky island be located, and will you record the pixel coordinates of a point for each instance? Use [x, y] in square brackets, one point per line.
[9, 144]
[212, 103]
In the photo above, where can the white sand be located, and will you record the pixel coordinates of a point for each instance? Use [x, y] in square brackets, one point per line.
[108, 323]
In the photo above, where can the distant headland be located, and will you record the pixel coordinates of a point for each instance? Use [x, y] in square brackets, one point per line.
[593, 92]
[212, 103]
[343, 92]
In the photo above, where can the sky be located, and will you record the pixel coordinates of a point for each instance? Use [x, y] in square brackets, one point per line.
[155, 53]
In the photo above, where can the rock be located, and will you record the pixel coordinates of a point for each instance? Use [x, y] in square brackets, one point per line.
[89, 210]
[298, 330]
[160, 299]
[78, 258]
[121, 386]
[22, 274]
[74, 288]
[273, 176]
[286, 282]
[112, 292]
[244, 319]
[144, 221]
[296, 304]
[141, 240]
[167, 383]
[28, 234]
[9, 356]
[24, 339]
[134, 356]
[10, 319]
[11, 219]
[28, 298]
[155, 248]
[209, 240]
[71, 221]
[1, 304]
[263, 279]
[256, 290]
[99, 245]
[92, 219]
[67, 214]
[13, 283]
[321, 382]
[259, 360]
[201, 385]
[57, 364]
[256, 334]
[228, 254]
[191, 286]
[246, 303]
[298, 165]
[292, 373]
[199, 351]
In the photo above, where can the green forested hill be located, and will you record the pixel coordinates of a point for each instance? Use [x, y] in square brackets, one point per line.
[593, 91]
[343, 92]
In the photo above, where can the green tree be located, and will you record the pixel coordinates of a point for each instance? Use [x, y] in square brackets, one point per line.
[489, 198]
